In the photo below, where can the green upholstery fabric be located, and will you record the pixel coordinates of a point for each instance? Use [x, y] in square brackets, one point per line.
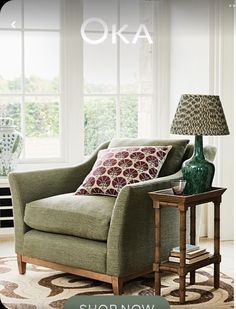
[67, 250]
[130, 246]
[174, 159]
[31, 186]
[84, 216]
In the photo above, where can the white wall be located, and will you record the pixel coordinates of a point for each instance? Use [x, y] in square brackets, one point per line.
[189, 49]
[222, 83]
[201, 63]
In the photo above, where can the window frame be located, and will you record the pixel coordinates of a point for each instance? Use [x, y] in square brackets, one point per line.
[23, 94]
[119, 94]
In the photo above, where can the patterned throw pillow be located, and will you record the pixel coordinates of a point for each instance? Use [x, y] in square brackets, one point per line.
[117, 167]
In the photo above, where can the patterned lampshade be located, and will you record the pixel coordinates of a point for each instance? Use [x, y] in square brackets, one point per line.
[199, 115]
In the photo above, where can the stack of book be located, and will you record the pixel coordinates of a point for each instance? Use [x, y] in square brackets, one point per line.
[193, 254]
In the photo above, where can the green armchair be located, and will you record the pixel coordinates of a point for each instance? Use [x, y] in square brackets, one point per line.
[100, 237]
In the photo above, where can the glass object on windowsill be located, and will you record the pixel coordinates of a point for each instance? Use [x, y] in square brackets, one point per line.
[11, 143]
[178, 186]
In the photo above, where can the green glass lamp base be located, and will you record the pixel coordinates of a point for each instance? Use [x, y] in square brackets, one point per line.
[197, 171]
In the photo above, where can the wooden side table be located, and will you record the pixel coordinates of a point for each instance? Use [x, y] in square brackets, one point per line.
[165, 198]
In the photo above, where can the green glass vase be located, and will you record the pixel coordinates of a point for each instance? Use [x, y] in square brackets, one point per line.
[197, 171]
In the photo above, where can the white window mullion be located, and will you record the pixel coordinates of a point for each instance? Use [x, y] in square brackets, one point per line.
[62, 109]
[118, 128]
[23, 78]
[128, 94]
[72, 83]
[30, 94]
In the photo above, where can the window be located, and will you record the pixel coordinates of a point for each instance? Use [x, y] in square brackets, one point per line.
[30, 74]
[118, 78]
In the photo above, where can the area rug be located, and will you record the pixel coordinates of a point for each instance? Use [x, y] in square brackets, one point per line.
[43, 288]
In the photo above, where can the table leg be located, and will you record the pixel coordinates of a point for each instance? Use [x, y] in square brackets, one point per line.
[192, 236]
[182, 245]
[182, 289]
[158, 249]
[192, 277]
[157, 283]
[217, 244]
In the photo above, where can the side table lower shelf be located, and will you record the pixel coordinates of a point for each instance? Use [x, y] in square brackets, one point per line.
[174, 267]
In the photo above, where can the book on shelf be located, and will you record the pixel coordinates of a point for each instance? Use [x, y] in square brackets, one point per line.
[190, 260]
[190, 254]
[189, 248]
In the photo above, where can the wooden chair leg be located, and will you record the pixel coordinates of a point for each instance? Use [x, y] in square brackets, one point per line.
[117, 285]
[21, 265]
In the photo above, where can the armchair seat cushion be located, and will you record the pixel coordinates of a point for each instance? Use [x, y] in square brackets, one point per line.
[83, 216]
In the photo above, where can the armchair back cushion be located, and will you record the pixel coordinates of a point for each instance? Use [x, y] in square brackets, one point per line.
[174, 159]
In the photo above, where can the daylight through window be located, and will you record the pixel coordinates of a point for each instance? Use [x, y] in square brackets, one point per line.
[118, 78]
[29, 74]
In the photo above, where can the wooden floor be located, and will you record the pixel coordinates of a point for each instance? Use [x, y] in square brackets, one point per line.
[227, 251]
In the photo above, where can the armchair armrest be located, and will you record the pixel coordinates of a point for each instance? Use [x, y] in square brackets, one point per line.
[30, 186]
[130, 245]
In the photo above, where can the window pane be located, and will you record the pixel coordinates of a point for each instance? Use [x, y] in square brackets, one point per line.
[10, 61]
[100, 66]
[99, 121]
[136, 71]
[10, 106]
[11, 12]
[129, 116]
[136, 12]
[102, 9]
[42, 62]
[130, 14]
[42, 127]
[42, 14]
[145, 116]
[136, 116]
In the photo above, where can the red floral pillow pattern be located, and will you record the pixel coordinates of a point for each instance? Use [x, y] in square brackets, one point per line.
[117, 167]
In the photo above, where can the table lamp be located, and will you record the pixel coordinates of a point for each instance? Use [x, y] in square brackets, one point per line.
[199, 115]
